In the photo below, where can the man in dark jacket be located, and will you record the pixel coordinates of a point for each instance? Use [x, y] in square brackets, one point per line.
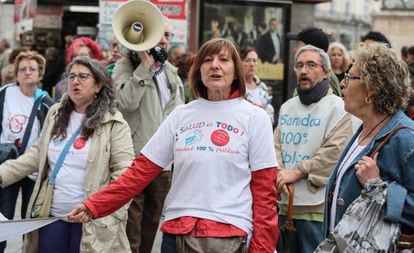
[269, 45]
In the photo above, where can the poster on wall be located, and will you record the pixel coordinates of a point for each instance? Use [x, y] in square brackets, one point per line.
[107, 9]
[176, 12]
[249, 24]
[24, 13]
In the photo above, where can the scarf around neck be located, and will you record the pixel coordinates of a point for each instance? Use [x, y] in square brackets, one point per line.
[315, 93]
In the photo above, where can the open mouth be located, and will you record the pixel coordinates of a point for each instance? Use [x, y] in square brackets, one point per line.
[216, 76]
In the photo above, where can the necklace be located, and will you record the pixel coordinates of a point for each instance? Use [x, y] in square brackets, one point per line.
[349, 154]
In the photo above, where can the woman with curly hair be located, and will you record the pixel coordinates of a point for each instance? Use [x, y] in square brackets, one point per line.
[376, 90]
[85, 144]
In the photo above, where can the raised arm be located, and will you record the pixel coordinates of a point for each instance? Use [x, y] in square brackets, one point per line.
[131, 83]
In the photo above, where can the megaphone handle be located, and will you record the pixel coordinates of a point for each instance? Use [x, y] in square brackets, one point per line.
[157, 54]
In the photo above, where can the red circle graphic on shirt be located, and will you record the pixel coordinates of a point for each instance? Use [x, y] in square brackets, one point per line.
[79, 143]
[220, 137]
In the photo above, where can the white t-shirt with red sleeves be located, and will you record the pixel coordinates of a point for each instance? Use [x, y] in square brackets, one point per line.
[69, 188]
[215, 146]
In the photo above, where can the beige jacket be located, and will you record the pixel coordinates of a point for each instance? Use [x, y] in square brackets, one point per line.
[110, 154]
[139, 99]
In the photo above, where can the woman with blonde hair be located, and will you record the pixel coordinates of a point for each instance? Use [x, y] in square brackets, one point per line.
[340, 59]
[23, 108]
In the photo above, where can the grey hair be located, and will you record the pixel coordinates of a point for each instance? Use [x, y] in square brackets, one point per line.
[104, 101]
[326, 63]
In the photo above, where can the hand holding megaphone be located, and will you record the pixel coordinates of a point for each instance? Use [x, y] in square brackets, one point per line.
[146, 59]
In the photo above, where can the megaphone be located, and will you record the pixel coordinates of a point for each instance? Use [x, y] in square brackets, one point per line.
[138, 25]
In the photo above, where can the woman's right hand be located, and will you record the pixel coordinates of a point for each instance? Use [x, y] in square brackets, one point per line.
[80, 214]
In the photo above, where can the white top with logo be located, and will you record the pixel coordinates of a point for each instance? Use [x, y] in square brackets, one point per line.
[215, 147]
[16, 112]
[70, 181]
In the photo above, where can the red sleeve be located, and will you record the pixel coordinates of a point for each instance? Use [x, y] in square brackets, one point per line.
[265, 219]
[120, 191]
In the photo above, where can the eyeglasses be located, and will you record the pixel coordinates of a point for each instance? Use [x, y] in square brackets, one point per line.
[349, 77]
[169, 36]
[309, 65]
[30, 69]
[82, 77]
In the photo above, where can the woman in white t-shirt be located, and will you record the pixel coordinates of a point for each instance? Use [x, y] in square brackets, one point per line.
[88, 142]
[256, 90]
[16, 104]
[222, 193]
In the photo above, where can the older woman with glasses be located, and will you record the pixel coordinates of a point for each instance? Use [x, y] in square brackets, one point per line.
[85, 144]
[376, 90]
[19, 101]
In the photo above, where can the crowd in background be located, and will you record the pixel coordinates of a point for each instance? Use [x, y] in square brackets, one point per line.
[116, 108]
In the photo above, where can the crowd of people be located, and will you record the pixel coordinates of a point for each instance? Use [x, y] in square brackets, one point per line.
[192, 142]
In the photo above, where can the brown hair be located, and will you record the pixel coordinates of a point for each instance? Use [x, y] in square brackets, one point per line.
[211, 47]
[184, 63]
[244, 52]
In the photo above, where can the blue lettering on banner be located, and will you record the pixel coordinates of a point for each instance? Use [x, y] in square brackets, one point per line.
[306, 121]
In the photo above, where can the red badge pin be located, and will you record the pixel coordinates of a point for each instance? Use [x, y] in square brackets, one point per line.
[220, 137]
[79, 143]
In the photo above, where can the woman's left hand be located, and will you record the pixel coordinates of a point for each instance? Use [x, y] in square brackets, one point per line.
[367, 169]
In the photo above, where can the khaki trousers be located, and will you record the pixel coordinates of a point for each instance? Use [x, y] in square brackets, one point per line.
[190, 244]
[144, 214]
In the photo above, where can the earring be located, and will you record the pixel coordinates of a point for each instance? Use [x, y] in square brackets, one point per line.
[96, 95]
[368, 100]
